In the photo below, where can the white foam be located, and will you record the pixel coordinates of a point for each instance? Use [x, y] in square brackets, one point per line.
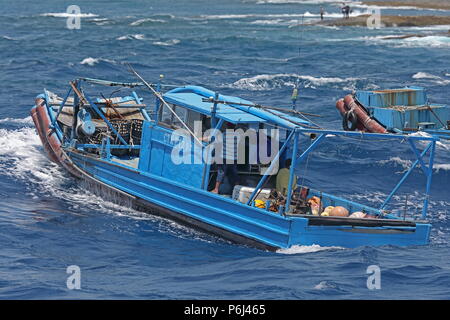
[323, 285]
[138, 36]
[414, 42]
[426, 41]
[306, 14]
[424, 75]
[171, 42]
[298, 249]
[90, 61]
[93, 61]
[26, 121]
[299, 1]
[430, 28]
[365, 6]
[270, 81]
[9, 38]
[101, 21]
[443, 144]
[405, 164]
[69, 15]
[272, 22]
[146, 20]
[431, 77]
[21, 156]
[443, 167]
[354, 13]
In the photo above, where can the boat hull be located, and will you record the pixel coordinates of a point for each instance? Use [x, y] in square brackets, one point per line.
[243, 224]
[42, 118]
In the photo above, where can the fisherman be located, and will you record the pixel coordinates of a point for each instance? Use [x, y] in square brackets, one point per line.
[347, 12]
[322, 12]
[228, 167]
[282, 182]
[343, 10]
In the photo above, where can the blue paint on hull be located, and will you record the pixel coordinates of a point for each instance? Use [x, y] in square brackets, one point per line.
[266, 228]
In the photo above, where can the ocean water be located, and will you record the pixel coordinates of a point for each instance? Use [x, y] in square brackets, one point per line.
[256, 49]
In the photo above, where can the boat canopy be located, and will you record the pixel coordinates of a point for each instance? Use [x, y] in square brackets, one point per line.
[236, 111]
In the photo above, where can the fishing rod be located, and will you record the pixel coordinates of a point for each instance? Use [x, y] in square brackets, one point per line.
[271, 111]
[159, 96]
[122, 84]
[294, 96]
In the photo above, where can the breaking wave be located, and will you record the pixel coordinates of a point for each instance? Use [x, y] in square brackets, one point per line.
[8, 38]
[68, 15]
[147, 21]
[406, 164]
[171, 42]
[381, 7]
[138, 36]
[428, 41]
[414, 42]
[431, 77]
[297, 1]
[306, 14]
[89, 61]
[275, 22]
[101, 21]
[273, 81]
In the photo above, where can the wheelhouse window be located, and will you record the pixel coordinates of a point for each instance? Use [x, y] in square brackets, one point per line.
[189, 117]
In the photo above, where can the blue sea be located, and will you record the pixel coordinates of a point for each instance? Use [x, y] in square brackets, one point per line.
[256, 49]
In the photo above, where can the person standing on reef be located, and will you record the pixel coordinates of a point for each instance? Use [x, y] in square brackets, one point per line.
[347, 11]
[343, 10]
[322, 12]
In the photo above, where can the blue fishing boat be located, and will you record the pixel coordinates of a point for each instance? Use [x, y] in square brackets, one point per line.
[124, 149]
[404, 111]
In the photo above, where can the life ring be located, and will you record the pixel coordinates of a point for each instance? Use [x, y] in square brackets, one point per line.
[349, 117]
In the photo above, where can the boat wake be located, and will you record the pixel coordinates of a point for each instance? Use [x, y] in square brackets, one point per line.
[22, 159]
[306, 249]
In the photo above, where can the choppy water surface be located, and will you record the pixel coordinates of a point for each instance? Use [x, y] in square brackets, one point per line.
[257, 49]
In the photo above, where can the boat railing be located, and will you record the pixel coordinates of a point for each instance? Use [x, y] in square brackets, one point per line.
[322, 135]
